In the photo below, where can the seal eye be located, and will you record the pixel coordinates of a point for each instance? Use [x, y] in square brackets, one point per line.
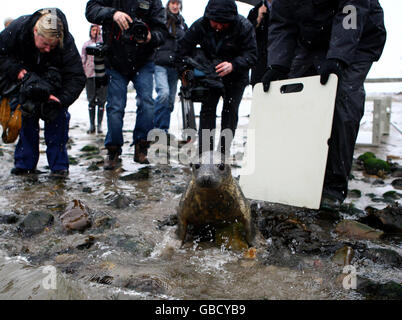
[221, 166]
[196, 166]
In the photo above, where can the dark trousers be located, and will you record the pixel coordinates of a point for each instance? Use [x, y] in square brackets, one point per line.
[56, 136]
[229, 118]
[349, 109]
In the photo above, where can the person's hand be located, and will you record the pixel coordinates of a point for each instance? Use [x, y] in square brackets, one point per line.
[122, 19]
[22, 74]
[272, 74]
[224, 68]
[261, 12]
[53, 98]
[329, 66]
[149, 36]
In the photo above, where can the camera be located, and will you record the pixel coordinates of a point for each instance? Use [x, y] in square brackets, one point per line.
[35, 91]
[138, 31]
[98, 50]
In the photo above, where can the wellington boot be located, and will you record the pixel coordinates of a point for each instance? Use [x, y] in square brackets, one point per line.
[101, 110]
[91, 120]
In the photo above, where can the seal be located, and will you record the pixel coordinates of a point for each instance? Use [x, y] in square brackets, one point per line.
[213, 198]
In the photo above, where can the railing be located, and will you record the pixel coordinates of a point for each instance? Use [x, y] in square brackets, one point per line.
[381, 113]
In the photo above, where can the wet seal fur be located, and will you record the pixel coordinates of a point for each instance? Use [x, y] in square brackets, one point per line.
[213, 198]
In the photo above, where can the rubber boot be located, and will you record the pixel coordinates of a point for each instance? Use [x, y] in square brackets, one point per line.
[101, 110]
[112, 160]
[141, 152]
[91, 110]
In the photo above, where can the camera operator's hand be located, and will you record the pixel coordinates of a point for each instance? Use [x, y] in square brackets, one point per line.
[22, 74]
[53, 98]
[224, 68]
[122, 19]
[274, 73]
[329, 66]
[147, 40]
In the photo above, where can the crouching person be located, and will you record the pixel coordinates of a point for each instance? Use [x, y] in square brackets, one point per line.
[39, 52]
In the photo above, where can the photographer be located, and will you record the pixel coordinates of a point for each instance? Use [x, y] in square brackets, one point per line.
[39, 52]
[302, 44]
[228, 39]
[166, 77]
[132, 30]
[96, 93]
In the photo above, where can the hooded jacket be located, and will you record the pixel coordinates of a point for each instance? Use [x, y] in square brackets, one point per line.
[165, 54]
[127, 57]
[261, 34]
[319, 25]
[237, 44]
[18, 51]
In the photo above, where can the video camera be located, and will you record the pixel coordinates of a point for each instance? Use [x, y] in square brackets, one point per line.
[98, 50]
[137, 30]
[193, 89]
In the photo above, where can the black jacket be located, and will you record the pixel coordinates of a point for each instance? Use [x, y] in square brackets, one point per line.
[319, 25]
[128, 57]
[261, 33]
[236, 45]
[165, 54]
[18, 51]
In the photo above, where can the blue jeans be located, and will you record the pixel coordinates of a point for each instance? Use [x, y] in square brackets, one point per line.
[117, 100]
[26, 154]
[166, 87]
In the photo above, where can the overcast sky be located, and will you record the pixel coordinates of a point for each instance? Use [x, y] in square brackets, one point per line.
[390, 64]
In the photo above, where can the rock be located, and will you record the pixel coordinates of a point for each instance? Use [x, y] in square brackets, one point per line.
[377, 167]
[121, 201]
[397, 184]
[93, 167]
[146, 284]
[87, 190]
[379, 291]
[343, 256]
[76, 217]
[383, 256]
[104, 222]
[356, 230]
[168, 221]
[72, 161]
[35, 222]
[397, 172]
[365, 156]
[354, 194]
[65, 258]
[388, 219]
[392, 195]
[8, 218]
[90, 149]
[142, 174]
[79, 241]
[134, 245]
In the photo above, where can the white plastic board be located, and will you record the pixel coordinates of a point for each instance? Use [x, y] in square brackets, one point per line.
[288, 142]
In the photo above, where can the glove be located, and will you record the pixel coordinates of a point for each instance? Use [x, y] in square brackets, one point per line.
[50, 110]
[274, 73]
[326, 67]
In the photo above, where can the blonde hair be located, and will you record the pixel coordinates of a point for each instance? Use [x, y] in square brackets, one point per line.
[50, 26]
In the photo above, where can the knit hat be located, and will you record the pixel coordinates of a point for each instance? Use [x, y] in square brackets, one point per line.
[222, 11]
